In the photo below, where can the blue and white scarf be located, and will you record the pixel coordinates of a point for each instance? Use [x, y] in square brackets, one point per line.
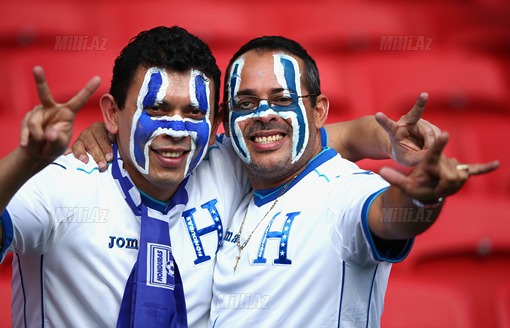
[154, 295]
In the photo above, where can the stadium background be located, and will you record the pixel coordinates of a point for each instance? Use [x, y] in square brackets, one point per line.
[372, 56]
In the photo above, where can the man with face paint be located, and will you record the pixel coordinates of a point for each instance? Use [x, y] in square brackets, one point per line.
[109, 249]
[310, 246]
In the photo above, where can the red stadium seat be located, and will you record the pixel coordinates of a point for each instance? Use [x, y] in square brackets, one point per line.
[423, 305]
[503, 305]
[29, 23]
[467, 248]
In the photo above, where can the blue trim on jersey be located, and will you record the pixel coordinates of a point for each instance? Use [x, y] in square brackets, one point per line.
[324, 137]
[214, 323]
[89, 172]
[221, 137]
[58, 164]
[370, 295]
[7, 231]
[42, 291]
[399, 250]
[23, 290]
[364, 172]
[341, 294]
[264, 196]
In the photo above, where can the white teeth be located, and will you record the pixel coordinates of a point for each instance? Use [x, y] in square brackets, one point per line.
[171, 154]
[264, 140]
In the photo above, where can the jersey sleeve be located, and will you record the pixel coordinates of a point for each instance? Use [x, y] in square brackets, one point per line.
[352, 236]
[31, 223]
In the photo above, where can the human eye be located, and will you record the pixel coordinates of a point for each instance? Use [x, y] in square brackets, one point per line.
[196, 113]
[154, 110]
[281, 100]
[245, 103]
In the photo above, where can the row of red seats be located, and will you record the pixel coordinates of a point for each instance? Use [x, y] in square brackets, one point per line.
[342, 27]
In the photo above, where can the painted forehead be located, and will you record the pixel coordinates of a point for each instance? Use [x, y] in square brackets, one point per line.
[285, 68]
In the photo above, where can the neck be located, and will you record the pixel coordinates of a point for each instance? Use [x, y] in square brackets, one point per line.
[260, 181]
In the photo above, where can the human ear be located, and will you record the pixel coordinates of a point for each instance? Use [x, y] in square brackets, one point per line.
[320, 111]
[224, 115]
[215, 125]
[109, 109]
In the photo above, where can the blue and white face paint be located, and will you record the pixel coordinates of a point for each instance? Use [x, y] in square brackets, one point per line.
[146, 128]
[288, 76]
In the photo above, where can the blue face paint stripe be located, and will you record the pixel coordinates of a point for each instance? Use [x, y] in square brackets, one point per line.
[144, 129]
[233, 82]
[290, 79]
[201, 92]
[152, 89]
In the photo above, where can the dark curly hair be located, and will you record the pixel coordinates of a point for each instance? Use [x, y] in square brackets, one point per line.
[165, 47]
[280, 43]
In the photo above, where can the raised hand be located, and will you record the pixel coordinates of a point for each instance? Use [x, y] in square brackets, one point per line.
[435, 175]
[47, 129]
[411, 135]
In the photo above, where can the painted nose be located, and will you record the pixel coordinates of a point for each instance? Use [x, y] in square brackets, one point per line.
[265, 113]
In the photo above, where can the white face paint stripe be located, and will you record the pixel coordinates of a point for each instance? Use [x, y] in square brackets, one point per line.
[240, 65]
[279, 72]
[194, 101]
[139, 110]
[247, 158]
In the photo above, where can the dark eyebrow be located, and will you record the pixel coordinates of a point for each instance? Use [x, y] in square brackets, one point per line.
[251, 92]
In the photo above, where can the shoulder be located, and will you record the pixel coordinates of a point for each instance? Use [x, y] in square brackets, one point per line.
[72, 165]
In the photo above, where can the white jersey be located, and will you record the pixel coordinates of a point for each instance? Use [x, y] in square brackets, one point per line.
[312, 261]
[76, 241]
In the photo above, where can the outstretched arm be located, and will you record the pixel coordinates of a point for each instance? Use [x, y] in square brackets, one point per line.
[378, 137]
[427, 185]
[46, 134]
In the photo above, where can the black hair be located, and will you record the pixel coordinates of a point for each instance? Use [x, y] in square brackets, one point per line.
[280, 43]
[164, 47]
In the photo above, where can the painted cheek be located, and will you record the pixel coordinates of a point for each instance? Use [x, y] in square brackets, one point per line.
[288, 75]
[200, 133]
[142, 130]
[199, 92]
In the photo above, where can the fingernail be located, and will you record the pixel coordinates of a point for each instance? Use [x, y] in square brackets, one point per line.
[102, 165]
[83, 158]
[109, 157]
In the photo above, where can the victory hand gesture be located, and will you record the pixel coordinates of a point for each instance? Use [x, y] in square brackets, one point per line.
[47, 130]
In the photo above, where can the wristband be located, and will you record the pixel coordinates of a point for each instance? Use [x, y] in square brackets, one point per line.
[437, 204]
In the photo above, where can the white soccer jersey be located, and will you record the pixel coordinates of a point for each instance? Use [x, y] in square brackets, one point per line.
[312, 261]
[76, 241]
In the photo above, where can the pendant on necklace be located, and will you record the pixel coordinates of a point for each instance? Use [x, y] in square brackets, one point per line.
[238, 257]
